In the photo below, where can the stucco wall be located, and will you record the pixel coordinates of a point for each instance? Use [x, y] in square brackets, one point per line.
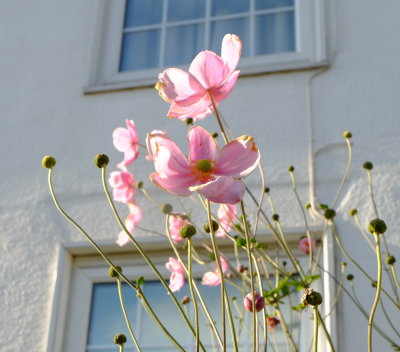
[45, 51]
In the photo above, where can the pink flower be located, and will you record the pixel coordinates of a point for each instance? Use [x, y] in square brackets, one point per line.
[211, 172]
[176, 222]
[209, 74]
[177, 279]
[258, 300]
[272, 322]
[212, 278]
[304, 246]
[122, 183]
[126, 140]
[226, 216]
[134, 217]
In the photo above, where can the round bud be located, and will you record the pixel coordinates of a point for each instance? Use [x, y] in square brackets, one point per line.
[311, 297]
[284, 263]
[347, 134]
[211, 256]
[275, 217]
[390, 260]
[350, 277]
[101, 160]
[353, 212]
[166, 208]
[266, 189]
[308, 206]
[343, 264]
[139, 184]
[189, 121]
[374, 283]
[187, 231]
[377, 226]
[368, 165]
[290, 168]
[241, 242]
[185, 300]
[120, 339]
[214, 224]
[114, 273]
[241, 268]
[329, 214]
[48, 162]
[259, 302]
[214, 135]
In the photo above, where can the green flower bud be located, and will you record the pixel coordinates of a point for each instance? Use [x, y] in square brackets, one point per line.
[275, 217]
[120, 339]
[139, 184]
[214, 135]
[347, 134]
[374, 283]
[311, 297]
[323, 206]
[343, 264]
[214, 224]
[353, 212]
[266, 189]
[390, 260]
[377, 226]
[166, 208]
[185, 300]
[189, 121]
[187, 231]
[48, 162]
[350, 277]
[329, 214]
[241, 242]
[101, 160]
[284, 263]
[291, 168]
[308, 206]
[368, 165]
[114, 273]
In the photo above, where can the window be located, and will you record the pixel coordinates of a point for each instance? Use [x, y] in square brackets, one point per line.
[136, 39]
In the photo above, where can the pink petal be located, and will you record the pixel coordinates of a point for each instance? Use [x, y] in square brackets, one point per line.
[209, 69]
[175, 185]
[210, 278]
[123, 195]
[231, 50]
[224, 263]
[222, 190]
[238, 158]
[123, 239]
[176, 281]
[177, 85]
[222, 91]
[121, 179]
[304, 245]
[169, 163]
[135, 213]
[174, 265]
[152, 140]
[197, 111]
[121, 139]
[201, 144]
[176, 222]
[130, 156]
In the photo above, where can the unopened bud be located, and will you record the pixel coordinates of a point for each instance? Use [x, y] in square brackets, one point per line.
[120, 339]
[187, 231]
[347, 134]
[368, 165]
[214, 135]
[308, 206]
[266, 189]
[241, 242]
[139, 184]
[185, 300]
[350, 277]
[329, 214]
[291, 168]
[353, 212]
[275, 217]
[48, 162]
[114, 273]
[390, 260]
[311, 297]
[214, 224]
[377, 226]
[166, 208]
[241, 268]
[101, 160]
[189, 121]
[258, 300]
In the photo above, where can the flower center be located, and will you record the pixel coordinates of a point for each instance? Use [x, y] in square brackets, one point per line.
[203, 165]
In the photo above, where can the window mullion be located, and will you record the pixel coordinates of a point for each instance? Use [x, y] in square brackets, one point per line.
[163, 33]
[252, 28]
[207, 25]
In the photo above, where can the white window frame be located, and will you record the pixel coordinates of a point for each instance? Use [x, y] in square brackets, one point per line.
[79, 266]
[104, 75]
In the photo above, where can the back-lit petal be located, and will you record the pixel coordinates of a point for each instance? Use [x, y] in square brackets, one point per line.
[201, 144]
[231, 50]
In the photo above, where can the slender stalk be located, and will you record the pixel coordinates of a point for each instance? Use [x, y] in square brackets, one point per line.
[218, 117]
[394, 275]
[121, 348]
[128, 324]
[315, 343]
[145, 256]
[378, 291]
[286, 329]
[327, 335]
[190, 279]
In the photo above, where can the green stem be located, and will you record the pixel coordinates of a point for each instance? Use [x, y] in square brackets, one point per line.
[378, 291]
[224, 136]
[315, 343]
[285, 328]
[196, 312]
[394, 275]
[128, 324]
[327, 335]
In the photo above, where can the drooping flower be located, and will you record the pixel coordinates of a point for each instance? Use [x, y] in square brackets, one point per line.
[126, 140]
[226, 216]
[272, 322]
[304, 245]
[212, 278]
[212, 172]
[209, 74]
[123, 185]
[258, 300]
[134, 217]
[177, 278]
[175, 223]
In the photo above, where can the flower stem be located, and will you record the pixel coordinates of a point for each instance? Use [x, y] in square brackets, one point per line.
[218, 117]
[128, 324]
[196, 311]
[378, 291]
[315, 343]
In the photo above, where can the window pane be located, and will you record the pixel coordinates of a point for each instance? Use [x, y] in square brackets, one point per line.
[275, 33]
[225, 7]
[142, 12]
[271, 4]
[238, 26]
[179, 10]
[183, 43]
[140, 50]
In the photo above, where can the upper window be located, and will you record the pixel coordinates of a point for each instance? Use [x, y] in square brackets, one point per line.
[135, 39]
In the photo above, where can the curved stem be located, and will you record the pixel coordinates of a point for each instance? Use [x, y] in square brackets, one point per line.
[190, 279]
[218, 117]
[346, 173]
[378, 291]
[315, 343]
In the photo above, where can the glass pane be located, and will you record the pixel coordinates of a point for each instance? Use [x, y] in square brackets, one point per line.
[272, 4]
[239, 26]
[225, 7]
[179, 10]
[275, 33]
[183, 43]
[142, 12]
[106, 317]
[140, 50]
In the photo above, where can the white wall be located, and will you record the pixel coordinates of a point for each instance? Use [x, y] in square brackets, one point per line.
[45, 51]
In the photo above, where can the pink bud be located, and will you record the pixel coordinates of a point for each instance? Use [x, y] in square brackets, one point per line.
[258, 300]
[272, 322]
